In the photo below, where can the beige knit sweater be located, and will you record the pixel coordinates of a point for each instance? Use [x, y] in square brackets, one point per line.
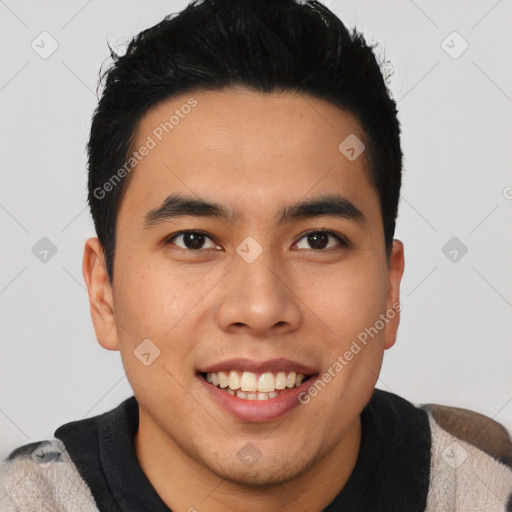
[471, 470]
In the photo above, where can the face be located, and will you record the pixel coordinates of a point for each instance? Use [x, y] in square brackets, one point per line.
[249, 291]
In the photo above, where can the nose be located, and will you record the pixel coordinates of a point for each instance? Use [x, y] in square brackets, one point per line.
[258, 298]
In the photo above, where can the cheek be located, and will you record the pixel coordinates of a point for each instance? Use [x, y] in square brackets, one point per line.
[350, 299]
[153, 301]
[157, 306]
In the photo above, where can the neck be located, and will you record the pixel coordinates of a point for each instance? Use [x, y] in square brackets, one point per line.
[184, 483]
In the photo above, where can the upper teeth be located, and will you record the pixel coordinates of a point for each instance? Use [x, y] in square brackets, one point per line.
[249, 381]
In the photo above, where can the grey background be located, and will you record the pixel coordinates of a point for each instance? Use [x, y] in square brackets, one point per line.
[454, 344]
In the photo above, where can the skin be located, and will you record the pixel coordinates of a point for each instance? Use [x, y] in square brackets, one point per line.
[244, 149]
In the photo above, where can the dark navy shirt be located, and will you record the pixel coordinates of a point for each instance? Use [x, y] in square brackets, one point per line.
[391, 471]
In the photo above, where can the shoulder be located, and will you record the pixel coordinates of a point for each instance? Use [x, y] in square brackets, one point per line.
[474, 428]
[40, 476]
[471, 461]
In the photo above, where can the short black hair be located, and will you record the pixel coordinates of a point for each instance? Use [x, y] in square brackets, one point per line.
[262, 45]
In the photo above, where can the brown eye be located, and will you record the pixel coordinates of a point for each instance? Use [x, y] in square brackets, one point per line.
[319, 240]
[192, 240]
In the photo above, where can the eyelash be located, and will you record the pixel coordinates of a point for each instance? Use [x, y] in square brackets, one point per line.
[341, 239]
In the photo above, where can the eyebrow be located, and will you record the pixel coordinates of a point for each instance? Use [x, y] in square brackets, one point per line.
[179, 205]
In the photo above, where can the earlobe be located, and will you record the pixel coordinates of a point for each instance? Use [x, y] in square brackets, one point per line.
[100, 294]
[393, 306]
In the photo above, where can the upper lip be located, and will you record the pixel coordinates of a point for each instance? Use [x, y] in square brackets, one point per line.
[250, 365]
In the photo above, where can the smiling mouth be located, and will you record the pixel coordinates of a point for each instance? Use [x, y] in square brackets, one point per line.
[255, 386]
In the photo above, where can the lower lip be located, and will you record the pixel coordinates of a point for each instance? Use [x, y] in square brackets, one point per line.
[257, 410]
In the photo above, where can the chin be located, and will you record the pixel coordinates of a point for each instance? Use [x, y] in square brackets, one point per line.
[263, 474]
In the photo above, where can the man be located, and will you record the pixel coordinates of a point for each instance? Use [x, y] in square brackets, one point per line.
[244, 176]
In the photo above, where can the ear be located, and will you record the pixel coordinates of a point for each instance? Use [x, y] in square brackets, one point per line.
[100, 294]
[393, 307]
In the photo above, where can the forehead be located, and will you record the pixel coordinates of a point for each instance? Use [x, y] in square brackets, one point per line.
[245, 149]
